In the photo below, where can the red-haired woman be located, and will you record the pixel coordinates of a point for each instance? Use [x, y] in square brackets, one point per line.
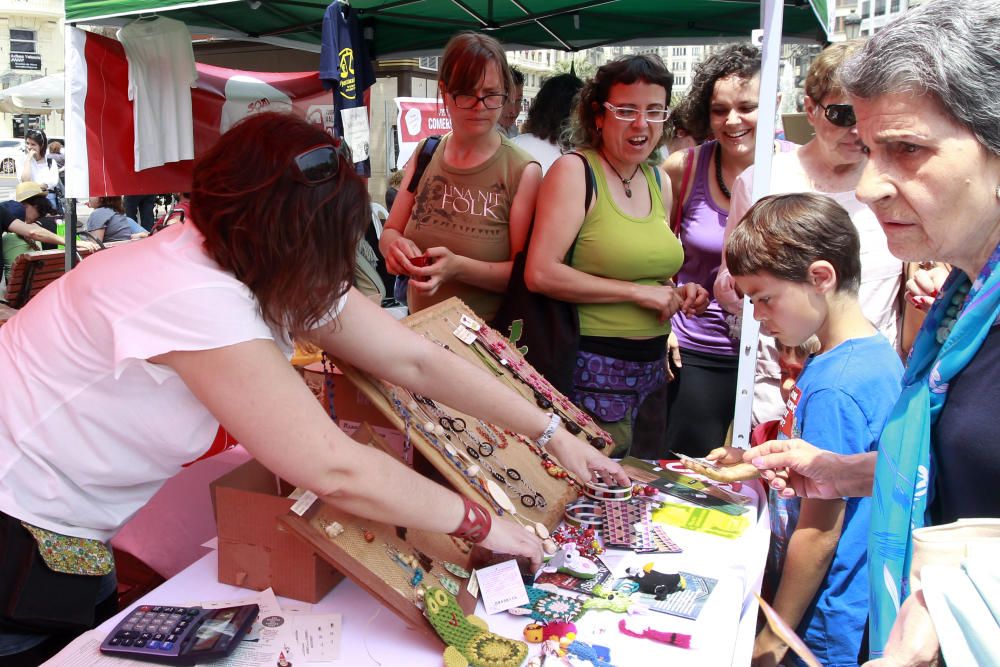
[105, 397]
[470, 213]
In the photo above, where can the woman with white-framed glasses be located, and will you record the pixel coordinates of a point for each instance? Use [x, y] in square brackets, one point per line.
[455, 230]
[613, 254]
[830, 163]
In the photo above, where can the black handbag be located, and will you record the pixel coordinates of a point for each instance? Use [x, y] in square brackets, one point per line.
[34, 598]
[550, 328]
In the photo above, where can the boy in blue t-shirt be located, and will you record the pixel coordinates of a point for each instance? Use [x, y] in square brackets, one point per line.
[797, 257]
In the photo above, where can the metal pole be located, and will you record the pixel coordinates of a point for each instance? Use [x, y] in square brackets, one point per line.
[71, 256]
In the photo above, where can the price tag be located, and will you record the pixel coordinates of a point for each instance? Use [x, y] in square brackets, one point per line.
[464, 335]
[470, 323]
[501, 587]
[304, 502]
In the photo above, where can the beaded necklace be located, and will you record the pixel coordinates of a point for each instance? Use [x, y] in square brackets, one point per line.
[953, 312]
[718, 172]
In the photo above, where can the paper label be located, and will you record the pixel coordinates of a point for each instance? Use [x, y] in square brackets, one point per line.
[304, 502]
[356, 132]
[464, 335]
[501, 587]
[470, 323]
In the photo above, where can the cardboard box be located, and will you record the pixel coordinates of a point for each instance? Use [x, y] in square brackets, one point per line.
[256, 550]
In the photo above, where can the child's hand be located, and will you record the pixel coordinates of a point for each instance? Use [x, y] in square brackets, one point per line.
[732, 468]
[727, 294]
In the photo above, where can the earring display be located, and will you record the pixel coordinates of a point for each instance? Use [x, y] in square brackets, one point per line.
[502, 470]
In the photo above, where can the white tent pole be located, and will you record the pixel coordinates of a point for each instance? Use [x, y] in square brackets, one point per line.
[770, 21]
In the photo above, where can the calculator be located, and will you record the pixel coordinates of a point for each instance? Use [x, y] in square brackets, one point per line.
[179, 635]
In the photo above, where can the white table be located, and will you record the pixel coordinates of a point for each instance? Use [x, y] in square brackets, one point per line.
[372, 635]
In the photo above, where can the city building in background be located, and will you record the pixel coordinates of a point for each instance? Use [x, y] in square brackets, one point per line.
[31, 46]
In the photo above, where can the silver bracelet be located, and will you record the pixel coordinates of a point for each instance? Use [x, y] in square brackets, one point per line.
[550, 430]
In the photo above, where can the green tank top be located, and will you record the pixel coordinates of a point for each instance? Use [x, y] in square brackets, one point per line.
[612, 244]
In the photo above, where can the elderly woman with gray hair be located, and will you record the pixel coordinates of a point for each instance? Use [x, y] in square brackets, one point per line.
[925, 95]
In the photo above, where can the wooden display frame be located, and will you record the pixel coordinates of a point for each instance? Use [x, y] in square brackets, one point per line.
[437, 324]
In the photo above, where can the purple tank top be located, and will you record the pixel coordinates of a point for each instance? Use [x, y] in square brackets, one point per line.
[703, 224]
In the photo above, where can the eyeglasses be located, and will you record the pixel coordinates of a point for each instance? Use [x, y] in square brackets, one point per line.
[841, 115]
[321, 162]
[491, 101]
[629, 114]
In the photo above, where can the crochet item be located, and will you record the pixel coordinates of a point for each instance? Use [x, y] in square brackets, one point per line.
[470, 643]
[546, 607]
[599, 656]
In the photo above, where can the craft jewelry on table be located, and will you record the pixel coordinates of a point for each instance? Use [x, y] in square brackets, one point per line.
[601, 491]
[584, 513]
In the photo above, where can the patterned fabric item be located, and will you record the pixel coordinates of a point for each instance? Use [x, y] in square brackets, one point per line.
[904, 469]
[72, 555]
[546, 607]
[621, 385]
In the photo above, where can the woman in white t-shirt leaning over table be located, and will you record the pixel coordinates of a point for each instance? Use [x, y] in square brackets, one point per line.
[128, 368]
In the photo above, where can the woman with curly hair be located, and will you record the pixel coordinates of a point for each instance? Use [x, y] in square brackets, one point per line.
[721, 103]
[456, 231]
[614, 255]
[542, 133]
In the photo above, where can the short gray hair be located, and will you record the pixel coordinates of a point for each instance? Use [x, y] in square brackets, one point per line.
[946, 48]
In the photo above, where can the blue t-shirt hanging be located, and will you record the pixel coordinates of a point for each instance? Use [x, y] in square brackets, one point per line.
[345, 66]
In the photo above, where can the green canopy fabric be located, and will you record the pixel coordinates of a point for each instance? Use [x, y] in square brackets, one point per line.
[404, 27]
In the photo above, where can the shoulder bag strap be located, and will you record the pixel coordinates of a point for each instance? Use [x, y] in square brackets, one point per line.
[685, 182]
[423, 159]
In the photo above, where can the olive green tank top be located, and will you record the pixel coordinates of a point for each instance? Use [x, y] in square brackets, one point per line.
[612, 244]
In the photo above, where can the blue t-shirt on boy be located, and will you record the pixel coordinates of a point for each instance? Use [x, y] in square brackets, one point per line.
[840, 402]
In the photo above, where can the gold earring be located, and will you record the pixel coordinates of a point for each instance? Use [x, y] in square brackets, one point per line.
[998, 192]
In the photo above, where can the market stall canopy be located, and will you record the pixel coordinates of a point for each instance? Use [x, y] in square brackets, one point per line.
[408, 27]
[38, 96]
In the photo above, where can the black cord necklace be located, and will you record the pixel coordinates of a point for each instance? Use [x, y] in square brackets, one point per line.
[625, 181]
[718, 172]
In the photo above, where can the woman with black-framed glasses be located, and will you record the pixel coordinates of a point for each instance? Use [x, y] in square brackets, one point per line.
[455, 232]
[830, 163]
[153, 355]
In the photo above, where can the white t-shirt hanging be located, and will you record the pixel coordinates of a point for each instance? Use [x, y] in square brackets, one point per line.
[161, 73]
[90, 429]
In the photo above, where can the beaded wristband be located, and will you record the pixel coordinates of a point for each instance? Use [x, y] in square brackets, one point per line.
[598, 491]
[584, 513]
[550, 430]
[476, 523]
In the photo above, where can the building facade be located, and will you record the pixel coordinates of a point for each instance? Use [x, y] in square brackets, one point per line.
[31, 46]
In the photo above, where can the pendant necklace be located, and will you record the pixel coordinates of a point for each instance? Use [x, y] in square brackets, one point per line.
[625, 181]
[718, 172]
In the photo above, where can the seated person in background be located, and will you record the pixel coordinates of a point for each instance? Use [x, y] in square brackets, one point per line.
[55, 154]
[797, 257]
[108, 221]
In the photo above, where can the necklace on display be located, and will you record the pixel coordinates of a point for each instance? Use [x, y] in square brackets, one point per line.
[625, 181]
[718, 172]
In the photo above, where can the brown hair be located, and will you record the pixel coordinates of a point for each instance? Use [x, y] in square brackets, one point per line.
[824, 74]
[739, 60]
[114, 203]
[292, 244]
[784, 234]
[465, 59]
[626, 70]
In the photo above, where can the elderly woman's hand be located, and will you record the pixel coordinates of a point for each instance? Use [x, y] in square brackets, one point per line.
[913, 641]
[923, 287]
[397, 260]
[694, 299]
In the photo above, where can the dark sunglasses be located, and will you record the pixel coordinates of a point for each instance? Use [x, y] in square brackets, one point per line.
[841, 115]
[321, 162]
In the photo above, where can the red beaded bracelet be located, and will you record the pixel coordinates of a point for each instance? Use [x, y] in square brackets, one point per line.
[476, 523]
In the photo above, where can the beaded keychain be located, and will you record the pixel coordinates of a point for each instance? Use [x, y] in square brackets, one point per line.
[328, 381]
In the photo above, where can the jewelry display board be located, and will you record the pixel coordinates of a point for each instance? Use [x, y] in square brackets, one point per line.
[504, 471]
[372, 554]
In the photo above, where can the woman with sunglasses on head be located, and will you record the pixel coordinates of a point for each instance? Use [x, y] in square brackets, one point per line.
[105, 398]
[38, 168]
[455, 232]
[831, 163]
[721, 104]
[614, 255]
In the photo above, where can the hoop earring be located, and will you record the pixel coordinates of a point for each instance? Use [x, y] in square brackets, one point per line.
[998, 192]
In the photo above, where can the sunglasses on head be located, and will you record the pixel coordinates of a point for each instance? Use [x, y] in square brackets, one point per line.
[841, 115]
[321, 162]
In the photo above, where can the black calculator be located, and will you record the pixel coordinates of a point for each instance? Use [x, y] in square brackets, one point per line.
[179, 635]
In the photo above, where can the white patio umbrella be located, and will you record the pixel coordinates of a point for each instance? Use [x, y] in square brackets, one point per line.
[37, 96]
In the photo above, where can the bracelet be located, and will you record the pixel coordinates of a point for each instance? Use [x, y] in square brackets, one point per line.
[598, 491]
[550, 430]
[476, 523]
[585, 514]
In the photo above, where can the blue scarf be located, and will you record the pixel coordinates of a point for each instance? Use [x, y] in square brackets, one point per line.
[903, 472]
